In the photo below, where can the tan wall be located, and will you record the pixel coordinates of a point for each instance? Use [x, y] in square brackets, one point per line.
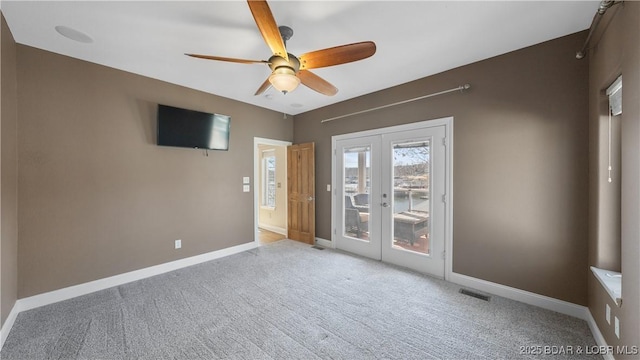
[275, 218]
[98, 197]
[520, 162]
[9, 171]
[614, 232]
[604, 224]
[604, 211]
[630, 315]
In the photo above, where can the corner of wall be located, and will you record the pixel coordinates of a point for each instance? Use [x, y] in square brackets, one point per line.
[617, 51]
[8, 176]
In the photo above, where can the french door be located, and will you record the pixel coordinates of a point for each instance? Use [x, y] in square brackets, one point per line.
[390, 197]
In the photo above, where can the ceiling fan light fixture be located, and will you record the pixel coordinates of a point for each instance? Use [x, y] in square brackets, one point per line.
[284, 80]
[287, 70]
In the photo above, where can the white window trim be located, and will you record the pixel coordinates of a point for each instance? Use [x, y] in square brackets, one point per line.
[611, 281]
[614, 92]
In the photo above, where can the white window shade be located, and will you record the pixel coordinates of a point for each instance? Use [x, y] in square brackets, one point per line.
[614, 92]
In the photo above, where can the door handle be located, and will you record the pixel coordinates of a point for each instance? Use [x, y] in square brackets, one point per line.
[310, 198]
[384, 204]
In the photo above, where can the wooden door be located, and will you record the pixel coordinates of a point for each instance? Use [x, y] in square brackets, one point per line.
[301, 193]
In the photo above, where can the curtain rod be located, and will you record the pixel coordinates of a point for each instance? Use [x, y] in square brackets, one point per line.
[459, 88]
[604, 6]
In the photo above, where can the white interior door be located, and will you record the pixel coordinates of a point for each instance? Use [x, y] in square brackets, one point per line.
[389, 198]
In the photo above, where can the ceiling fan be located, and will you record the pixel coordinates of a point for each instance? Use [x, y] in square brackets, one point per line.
[288, 70]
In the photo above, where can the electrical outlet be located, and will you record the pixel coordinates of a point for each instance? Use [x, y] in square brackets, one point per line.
[608, 314]
[617, 327]
[178, 244]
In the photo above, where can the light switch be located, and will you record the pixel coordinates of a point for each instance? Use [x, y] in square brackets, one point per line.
[608, 314]
[328, 187]
[245, 180]
[246, 188]
[617, 327]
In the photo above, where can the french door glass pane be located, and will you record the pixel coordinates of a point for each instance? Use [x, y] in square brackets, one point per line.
[411, 196]
[356, 182]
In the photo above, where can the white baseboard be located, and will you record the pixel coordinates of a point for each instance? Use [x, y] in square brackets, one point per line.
[545, 302]
[324, 242]
[275, 229]
[597, 335]
[101, 284]
[526, 297]
[8, 324]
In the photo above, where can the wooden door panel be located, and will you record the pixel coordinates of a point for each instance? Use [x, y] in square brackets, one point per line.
[301, 192]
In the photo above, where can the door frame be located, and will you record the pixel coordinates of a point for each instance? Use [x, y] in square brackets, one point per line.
[447, 122]
[256, 177]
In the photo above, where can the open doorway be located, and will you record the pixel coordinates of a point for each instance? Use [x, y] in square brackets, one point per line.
[270, 190]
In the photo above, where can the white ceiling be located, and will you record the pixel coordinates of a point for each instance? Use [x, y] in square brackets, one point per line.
[414, 39]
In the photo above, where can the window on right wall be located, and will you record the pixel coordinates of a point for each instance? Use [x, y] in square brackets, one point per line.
[614, 172]
[614, 92]
[612, 196]
[609, 255]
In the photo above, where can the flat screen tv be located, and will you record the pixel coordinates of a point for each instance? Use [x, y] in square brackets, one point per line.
[192, 129]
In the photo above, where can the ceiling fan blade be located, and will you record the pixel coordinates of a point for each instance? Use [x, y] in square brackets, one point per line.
[220, 58]
[337, 55]
[268, 27]
[316, 83]
[265, 85]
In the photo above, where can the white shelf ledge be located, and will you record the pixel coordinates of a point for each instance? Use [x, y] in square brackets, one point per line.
[611, 281]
